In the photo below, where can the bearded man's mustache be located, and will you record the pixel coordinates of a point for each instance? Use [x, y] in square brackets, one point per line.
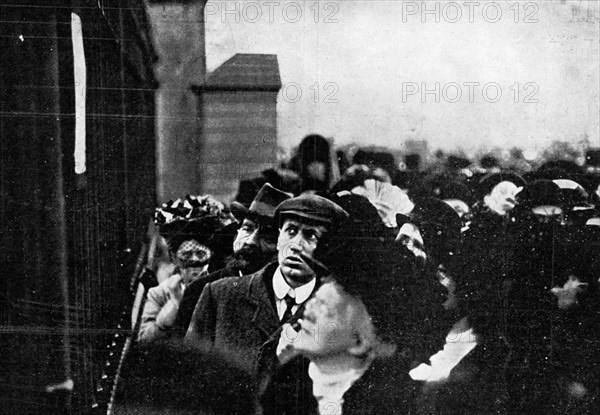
[249, 259]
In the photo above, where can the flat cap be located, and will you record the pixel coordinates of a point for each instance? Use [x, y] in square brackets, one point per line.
[312, 208]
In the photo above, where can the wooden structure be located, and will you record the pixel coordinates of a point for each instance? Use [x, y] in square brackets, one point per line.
[238, 117]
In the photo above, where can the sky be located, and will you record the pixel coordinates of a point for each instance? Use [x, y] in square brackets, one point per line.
[461, 75]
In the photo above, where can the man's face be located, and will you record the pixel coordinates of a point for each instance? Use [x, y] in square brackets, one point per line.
[254, 245]
[296, 241]
[192, 259]
[331, 323]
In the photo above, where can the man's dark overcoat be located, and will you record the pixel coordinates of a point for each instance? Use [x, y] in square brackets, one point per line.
[191, 296]
[235, 316]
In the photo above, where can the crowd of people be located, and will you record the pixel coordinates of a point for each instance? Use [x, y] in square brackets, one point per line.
[331, 287]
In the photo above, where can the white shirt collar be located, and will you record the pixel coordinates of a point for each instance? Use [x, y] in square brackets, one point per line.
[281, 288]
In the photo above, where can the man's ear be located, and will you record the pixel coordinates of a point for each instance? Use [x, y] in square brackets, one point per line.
[361, 346]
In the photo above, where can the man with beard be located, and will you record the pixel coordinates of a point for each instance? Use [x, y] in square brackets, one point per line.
[254, 246]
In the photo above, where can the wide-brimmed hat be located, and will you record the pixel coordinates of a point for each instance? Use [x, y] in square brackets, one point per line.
[454, 190]
[369, 265]
[263, 206]
[574, 195]
[363, 217]
[362, 227]
[540, 193]
[577, 201]
[559, 169]
[201, 218]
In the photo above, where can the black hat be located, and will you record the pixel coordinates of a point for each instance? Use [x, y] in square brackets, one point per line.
[574, 195]
[443, 187]
[200, 218]
[362, 226]
[263, 206]
[488, 182]
[283, 179]
[540, 193]
[312, 208]
[488, 161]
[453, 189]
[457, 162]
[374, 269]
[439, 225]
[354, 176]
[559, 169]
[248, 189]
[363, 218]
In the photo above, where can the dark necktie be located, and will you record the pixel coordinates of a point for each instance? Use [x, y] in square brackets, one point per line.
[289, 303]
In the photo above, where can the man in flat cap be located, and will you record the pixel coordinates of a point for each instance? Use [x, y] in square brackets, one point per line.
[235, 316]
[254, 247]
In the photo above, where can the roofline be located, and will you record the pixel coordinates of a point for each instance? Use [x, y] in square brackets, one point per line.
[231, 88]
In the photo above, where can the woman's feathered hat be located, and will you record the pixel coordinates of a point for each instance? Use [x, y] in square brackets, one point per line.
[201, 218]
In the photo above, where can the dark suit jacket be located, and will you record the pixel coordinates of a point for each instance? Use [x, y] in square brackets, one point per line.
[191, 296]
[237, 319]
[235, 316]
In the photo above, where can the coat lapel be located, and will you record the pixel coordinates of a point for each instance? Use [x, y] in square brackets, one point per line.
[260, 295]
